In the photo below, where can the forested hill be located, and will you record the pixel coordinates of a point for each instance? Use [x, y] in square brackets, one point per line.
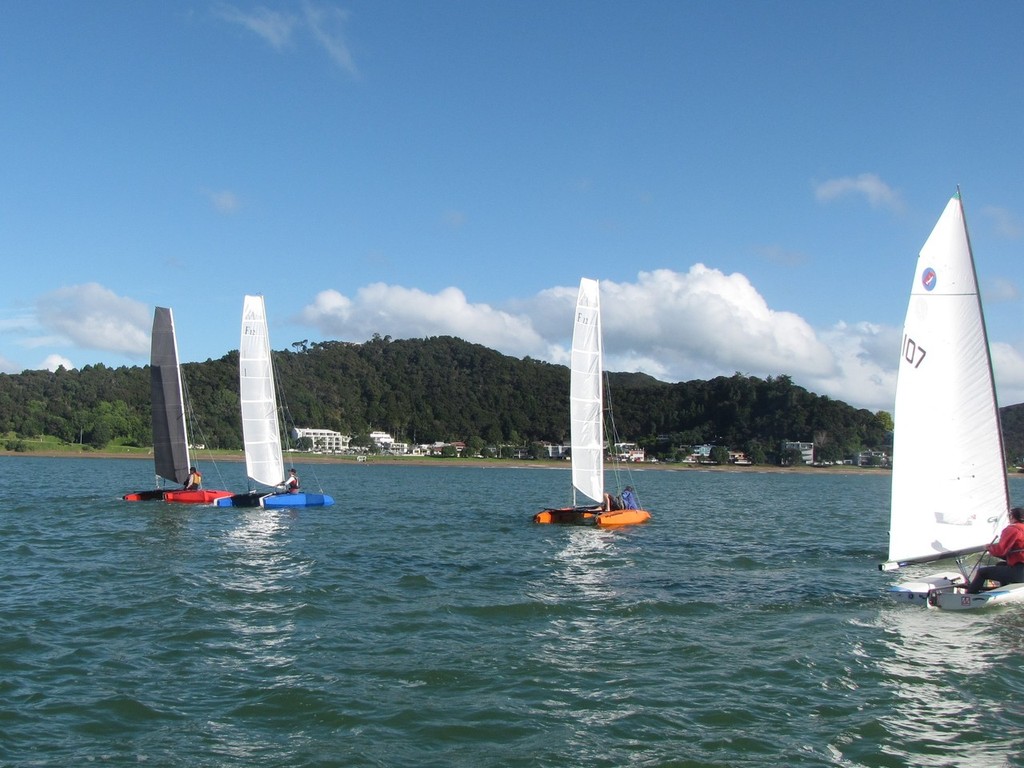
[441, 389]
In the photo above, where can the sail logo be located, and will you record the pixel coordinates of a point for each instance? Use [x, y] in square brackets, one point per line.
[929, 279]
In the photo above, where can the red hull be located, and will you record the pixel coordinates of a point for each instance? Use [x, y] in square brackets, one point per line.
[195, 497]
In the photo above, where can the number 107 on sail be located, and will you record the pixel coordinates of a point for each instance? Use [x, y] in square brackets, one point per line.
[912, 353]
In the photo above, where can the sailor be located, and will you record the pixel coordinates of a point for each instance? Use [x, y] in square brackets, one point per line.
[1010, 546]
[195, 480]
[291, 484]
[629, 499]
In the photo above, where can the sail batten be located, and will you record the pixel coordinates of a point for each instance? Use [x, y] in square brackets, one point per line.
[586, 395]
[170, 438]
[261, 432]
[949, 490]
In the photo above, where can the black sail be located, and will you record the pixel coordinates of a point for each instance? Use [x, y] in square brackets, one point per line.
[170, 441]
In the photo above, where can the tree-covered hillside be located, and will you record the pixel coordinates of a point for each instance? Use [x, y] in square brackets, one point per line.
[440, 389]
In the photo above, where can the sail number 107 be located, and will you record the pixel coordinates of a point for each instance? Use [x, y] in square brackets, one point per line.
[912, 353]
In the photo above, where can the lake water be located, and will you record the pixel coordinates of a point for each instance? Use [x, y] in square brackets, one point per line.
[424, 620]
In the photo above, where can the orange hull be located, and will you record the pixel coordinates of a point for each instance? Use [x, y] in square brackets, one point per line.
[623, 517]
[592, 516]
[568, 515]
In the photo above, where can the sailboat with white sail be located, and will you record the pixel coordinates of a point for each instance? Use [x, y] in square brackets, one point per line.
[261, 428]
[171, 455]
[949, 489]
[586, 424]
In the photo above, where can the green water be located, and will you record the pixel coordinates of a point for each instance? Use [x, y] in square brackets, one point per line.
[424, 620]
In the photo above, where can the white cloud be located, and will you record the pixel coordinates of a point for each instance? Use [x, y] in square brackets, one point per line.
[866, 358]
[409, 312]
[1008, 368]
[275, 28]
[867, 185]
[53, 362]
[707, 319]
[9, 366]
[94, 317]
[224, 201]
[323, 23]
[674, 326]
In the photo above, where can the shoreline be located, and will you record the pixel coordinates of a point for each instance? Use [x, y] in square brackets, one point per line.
[421, 461]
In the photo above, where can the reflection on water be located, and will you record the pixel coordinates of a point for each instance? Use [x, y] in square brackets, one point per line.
[576, 641]
[257, 591]
[935, 665]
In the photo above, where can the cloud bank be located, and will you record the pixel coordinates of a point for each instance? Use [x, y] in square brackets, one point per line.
[674, 326]
[93, 317]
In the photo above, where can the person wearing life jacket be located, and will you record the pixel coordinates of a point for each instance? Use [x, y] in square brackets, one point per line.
[1011, 547]
[291, 484]
[195, 480]
[629, 498]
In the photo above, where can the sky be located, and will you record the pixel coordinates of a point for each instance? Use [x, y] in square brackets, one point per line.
[749, 181]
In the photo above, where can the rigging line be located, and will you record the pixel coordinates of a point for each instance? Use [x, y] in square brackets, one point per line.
[191, 422]
[286, 419]
[616, 464]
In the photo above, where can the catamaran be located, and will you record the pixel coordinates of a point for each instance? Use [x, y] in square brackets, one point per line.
[261, 428]
[586, 424]
[170, 431]
[949, 490]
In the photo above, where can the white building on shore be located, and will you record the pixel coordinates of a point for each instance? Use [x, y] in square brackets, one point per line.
[324, 440]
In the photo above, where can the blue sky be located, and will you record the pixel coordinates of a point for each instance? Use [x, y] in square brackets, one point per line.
[750, 181]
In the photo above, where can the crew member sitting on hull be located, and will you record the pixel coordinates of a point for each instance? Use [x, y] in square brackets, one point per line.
[194, 482]
[291, 485]
[1010, 546]
[629, 499]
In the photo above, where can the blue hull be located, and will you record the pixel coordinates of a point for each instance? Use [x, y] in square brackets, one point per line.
[297, 500]
[276, 500]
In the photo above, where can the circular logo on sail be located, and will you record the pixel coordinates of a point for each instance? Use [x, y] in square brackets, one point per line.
[928, 278]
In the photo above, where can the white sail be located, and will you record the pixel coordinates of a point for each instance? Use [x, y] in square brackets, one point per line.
[585, 395]
[261, 433]
[949, 492]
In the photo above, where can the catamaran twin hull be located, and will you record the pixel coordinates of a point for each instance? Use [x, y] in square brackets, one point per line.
[592, 516]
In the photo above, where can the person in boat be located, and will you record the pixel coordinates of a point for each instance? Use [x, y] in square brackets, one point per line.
[629, 498]
[194, 481]
[611, 502]
[291, 484]
[1011, 547]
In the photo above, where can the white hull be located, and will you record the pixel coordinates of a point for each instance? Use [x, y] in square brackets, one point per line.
[917, 592]
[960, 601]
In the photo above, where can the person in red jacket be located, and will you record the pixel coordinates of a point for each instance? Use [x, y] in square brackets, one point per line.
[291, 484]
[1011, 547]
